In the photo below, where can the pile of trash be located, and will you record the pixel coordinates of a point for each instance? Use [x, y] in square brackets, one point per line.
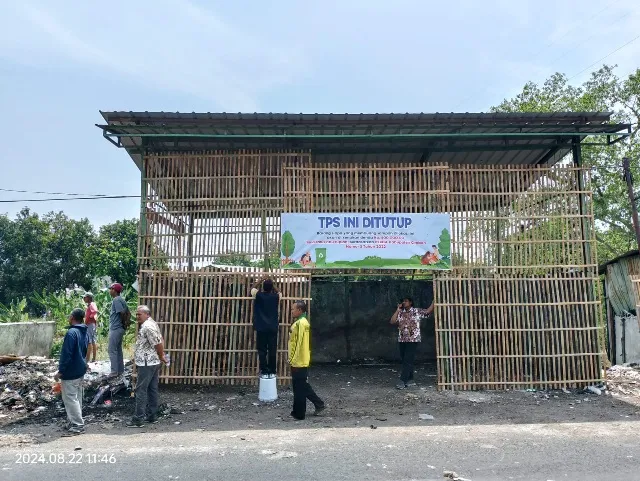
[101, 388]
[624, 379]
[27, 384]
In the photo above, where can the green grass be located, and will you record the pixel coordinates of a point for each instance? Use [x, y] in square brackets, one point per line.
[379, 263]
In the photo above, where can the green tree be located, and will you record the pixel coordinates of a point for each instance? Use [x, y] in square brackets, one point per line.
[39, 253]
[67, 247]
[272, 259]
[603, 91]
[232, 259]
[444, 246]
[114, 252]
[288, 245]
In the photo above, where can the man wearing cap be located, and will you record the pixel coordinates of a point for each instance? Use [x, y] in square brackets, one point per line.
[91, 320]
[119, 319]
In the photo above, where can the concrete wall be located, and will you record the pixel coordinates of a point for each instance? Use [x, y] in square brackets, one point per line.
[350, 320]
[631, 339]
[27, 338]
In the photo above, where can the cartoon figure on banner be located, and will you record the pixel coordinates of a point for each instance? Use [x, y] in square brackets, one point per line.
[305, 260]
[431, 257]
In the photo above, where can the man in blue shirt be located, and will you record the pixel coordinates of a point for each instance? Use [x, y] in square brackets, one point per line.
[71, 370]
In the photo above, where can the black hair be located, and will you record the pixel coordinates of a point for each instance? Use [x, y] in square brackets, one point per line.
[301, 305]
[408, 299]
[267, 285]
[77, 315]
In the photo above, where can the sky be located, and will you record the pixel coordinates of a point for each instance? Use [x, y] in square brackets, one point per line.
[62, 62]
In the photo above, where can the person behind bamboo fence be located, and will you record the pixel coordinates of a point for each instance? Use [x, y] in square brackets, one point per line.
[149, 357]
[407, 319]
[91, 320]
[299, 359]
[265, 323]
[119, 320]
[71, 370]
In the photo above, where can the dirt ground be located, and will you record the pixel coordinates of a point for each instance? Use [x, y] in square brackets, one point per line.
[355, 396]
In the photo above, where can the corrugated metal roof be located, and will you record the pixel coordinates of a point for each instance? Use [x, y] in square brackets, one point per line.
[389, 118]
[619, 287]
[603, 267]
[455, 138]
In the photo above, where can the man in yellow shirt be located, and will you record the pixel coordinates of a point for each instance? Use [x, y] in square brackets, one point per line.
[299, 358]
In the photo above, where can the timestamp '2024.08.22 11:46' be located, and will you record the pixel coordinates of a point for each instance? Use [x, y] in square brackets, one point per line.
[65, 458]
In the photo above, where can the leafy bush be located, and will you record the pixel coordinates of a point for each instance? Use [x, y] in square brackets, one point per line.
[16, 311]
[58, 306]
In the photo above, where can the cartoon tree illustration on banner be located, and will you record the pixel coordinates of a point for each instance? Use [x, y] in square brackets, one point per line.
[288, 246]
[444, 246]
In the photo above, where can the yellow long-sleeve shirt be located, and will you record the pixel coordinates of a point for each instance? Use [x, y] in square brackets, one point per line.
[299, 350]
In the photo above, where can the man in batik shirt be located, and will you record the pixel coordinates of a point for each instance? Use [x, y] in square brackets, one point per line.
[408, 318]
[149, 356]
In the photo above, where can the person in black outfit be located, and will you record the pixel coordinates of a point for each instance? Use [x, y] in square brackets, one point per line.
[265, 323]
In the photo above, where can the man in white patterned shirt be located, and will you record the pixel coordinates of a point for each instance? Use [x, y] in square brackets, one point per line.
[149, 356]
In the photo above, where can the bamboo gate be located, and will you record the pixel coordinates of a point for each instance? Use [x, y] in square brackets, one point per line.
[519, 309]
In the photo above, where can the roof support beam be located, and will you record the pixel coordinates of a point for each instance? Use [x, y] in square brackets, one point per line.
[582, 204]
[549, 155]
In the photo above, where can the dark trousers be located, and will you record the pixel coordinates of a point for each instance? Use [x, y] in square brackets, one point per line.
[267, 348]
[147, 391]
[302, 391]
[407, 356]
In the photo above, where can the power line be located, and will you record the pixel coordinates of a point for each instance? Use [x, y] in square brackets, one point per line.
[596, 63]
[603, 58]
[571, 29]
[584, 41]
[73, 198]
[534, 56]
[49, 193]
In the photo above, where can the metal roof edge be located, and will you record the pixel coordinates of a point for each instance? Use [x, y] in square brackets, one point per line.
[603, 267]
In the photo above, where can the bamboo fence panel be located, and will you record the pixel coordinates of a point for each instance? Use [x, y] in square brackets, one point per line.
[206, 319]
[210, 229]
[521, 308]
[212, 208]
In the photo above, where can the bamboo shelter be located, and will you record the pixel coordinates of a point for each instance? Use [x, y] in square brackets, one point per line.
[520, 307]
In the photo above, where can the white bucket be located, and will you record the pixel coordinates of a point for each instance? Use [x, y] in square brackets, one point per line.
[268, 390]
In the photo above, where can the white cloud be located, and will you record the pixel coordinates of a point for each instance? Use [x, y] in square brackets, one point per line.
[169, 45]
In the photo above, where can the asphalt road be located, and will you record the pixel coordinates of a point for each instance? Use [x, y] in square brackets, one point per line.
[563, 451]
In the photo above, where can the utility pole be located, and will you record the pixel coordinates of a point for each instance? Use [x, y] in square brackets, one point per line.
[632, 198]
